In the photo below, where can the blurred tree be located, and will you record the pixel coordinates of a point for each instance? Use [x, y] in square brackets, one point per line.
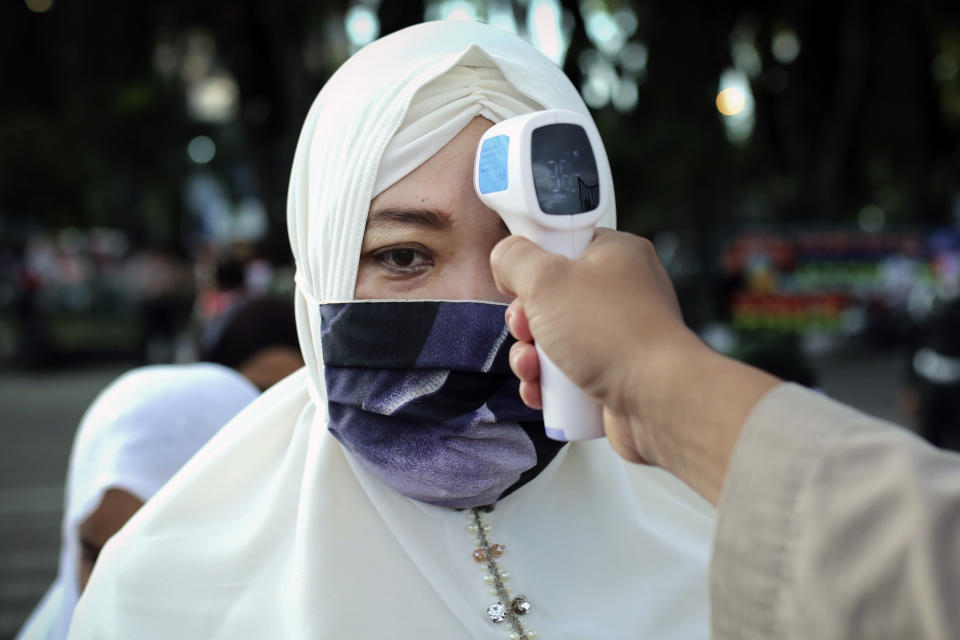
[86, 135]
[865, 112]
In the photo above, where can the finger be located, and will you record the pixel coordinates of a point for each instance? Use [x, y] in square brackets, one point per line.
[530, 394]
[517, 323]
[524, 361]
[514, 261]
[601, 239]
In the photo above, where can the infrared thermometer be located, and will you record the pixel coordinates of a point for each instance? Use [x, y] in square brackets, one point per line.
[546, 173]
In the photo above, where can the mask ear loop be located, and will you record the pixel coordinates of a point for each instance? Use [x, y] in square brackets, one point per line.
[303, 289]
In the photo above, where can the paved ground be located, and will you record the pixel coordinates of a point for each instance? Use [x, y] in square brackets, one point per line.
[38, 415]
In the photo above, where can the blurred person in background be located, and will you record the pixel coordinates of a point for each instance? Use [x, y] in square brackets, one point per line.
[258, 338]
[227, 291]
[135, 436]
[33, 341]
[160, 284]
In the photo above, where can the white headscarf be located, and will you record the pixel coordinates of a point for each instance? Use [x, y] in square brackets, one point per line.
[137, 433]
[275, 531]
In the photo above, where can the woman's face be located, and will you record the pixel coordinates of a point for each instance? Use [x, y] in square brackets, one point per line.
[116, 507]
[429, 236]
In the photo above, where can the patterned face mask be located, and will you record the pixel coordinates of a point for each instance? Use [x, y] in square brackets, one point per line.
[422, 394]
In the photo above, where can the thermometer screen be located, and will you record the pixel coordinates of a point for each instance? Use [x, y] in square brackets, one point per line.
[564, 169]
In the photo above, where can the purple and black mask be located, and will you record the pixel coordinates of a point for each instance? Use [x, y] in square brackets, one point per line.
[422, 394]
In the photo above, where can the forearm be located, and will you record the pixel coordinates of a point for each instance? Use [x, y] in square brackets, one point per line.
[835, 525]
[692, 412]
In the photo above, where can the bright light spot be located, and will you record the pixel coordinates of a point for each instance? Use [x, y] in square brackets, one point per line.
[362, 26]
[633, 57]
[730, 102]
[626, 96]
[201, 149]
[601, 82]
[546, 31]
[935, 367]
[604, 32]
[39, 6]
[735, 102]
[785, 46]
[745, 56]
[213, 98]
[871, 219]
[456, 10]
[944, 68]
[596, 93]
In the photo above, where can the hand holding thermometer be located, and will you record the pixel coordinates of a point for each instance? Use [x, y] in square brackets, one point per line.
[546, 173]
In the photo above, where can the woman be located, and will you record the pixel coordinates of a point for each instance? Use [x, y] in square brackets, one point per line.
[352, 499]
[133, 438]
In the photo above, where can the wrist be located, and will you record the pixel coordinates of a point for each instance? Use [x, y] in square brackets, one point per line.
[690, 411]
[659, 381]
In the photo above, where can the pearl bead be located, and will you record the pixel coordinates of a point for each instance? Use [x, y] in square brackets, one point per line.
[476, 542]
[472, 528]
[487, 528]
[514, 636]
[504, 575]
[531, 634]
[493, 591]
[488, 578]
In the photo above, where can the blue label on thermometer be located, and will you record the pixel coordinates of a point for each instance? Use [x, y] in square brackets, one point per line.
[492, 166]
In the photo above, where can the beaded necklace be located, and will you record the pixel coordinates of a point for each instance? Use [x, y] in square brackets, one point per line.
[507, 608]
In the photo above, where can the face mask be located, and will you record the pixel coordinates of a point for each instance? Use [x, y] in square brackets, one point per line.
[422, 394]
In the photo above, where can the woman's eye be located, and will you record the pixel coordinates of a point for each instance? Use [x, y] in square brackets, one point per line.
[404, 260]
[403, 257]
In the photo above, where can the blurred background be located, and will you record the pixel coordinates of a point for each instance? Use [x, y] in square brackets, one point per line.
[795, 163]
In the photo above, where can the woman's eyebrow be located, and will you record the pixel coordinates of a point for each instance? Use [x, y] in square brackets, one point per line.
[427, 218]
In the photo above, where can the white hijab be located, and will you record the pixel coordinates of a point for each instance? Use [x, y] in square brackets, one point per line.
[275, 531]
[137, 433]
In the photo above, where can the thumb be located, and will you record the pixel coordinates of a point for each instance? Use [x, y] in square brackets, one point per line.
[517, 263]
